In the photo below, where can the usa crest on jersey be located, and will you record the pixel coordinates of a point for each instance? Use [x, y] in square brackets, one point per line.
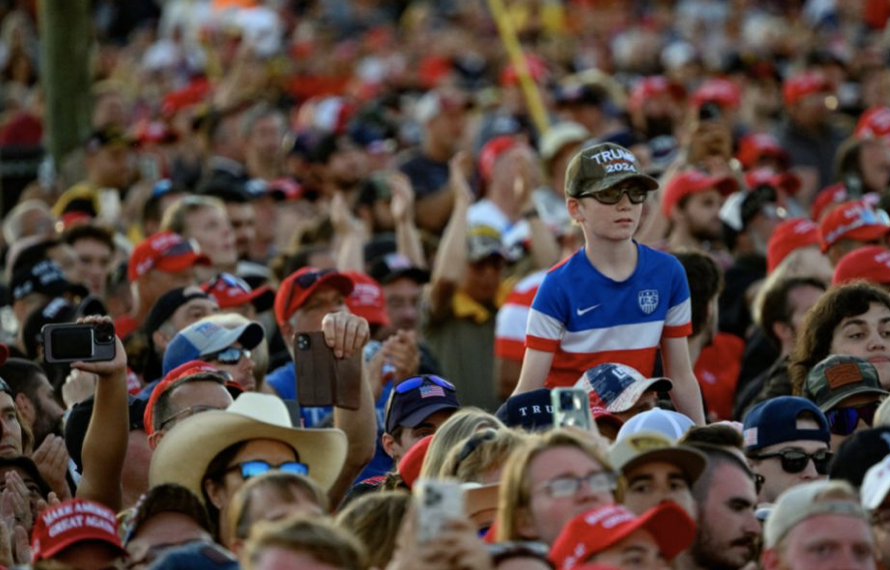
[648, 300]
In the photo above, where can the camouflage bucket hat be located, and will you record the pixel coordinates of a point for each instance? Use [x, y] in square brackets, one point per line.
[602, 166]
[839, 377]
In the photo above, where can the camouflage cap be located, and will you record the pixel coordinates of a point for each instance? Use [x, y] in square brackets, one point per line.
[838, 377]
[602, 166]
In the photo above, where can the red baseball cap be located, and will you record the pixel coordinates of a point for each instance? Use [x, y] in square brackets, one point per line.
[72, 522]
[190, 368]
[410, 464]
[231, 291]
[491, 151]
[366, 299]
[192, 94]
[871, 263]
[755, 146]
[301, 284]
[788, 236]
[653, 86]
[166, 251]
[786, 181]
[802, 84]
[718, 90]
[874, 123]
[599, 529]
[691, 182]
[852, 220]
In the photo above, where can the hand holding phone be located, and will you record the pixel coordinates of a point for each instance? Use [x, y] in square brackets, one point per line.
[571, 408]
[79, 342]
[322, 378]
[438, 501]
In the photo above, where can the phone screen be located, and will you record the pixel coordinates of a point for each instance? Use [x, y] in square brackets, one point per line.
[72, 343]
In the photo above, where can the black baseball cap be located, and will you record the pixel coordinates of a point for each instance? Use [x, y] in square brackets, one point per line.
[167, 304]
[393, 266]
[417, 398]
[858, 453]
[529, 410]
[79, 420]
[44, 277]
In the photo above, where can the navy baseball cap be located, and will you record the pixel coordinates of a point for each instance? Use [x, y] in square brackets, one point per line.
[205, 338]
[775, 421]
[417, 398]
[530, 410]
[617, 387]
[199, 555]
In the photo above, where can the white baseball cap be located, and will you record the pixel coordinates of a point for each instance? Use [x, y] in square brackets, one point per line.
[672, 424]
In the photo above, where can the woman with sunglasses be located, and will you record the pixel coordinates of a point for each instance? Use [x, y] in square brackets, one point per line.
[615, 300]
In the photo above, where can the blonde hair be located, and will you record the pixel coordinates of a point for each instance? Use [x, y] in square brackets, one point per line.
[514, 499]
[375, 519]
[468, 463]
[259, 354]
[174, 218]
[286, 485]
[464, 423]
[318, 538]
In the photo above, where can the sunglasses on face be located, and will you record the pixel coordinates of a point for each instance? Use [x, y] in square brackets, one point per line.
[231, 355]
[795, 461]
[562, 487]
[843, 421]
[257, 467]
[611, 196]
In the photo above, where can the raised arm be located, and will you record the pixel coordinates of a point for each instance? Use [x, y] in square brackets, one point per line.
[451, 259]
[105, 443]
[686, 393]
[402, 207]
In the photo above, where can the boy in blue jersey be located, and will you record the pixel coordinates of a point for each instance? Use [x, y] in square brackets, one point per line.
[614, 300]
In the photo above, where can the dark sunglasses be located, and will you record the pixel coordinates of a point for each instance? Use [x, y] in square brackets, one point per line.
[230, 281]
[843, 421]
[305, 281]
[417, 382]
[231, 355]
[611, 196]
[795, 461]
[257, 467]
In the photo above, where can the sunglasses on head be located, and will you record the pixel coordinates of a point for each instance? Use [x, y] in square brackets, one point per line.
[231, 355]
[417, 382]
[843, 421]
[257, 467]
[611, 196]
[230, 281]
[305, 281]
[795, 460]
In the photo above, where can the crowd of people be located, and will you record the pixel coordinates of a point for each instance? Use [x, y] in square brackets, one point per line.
[350, 250]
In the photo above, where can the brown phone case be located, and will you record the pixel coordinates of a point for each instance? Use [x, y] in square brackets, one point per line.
[322, 378]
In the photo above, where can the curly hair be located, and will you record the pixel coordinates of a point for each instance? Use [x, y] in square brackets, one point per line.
[814, 343]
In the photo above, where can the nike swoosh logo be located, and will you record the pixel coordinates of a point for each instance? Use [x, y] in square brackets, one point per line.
[582, 312]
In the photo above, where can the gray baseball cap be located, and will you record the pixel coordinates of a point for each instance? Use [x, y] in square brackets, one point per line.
[602, 166]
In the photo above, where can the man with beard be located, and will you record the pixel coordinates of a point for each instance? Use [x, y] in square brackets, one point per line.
[726, 498]
[692, 202]
[34, 398]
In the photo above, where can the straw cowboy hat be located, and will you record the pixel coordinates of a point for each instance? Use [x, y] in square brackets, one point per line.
[184, 454]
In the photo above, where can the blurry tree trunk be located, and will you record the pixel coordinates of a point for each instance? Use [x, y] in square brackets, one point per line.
[65, 38]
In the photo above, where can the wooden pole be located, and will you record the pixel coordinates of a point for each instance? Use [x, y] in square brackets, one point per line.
[66, 36]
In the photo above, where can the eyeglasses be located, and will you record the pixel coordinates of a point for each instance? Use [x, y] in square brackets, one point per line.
[257, 467]
[611, 196]
[561, 487]
[188, 412]
[843, 421]
[795, 461]
[231, 355]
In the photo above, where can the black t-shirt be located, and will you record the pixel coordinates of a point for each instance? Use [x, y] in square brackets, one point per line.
[427, 176]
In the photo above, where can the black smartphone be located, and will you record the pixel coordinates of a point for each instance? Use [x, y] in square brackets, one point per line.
[70, 342]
